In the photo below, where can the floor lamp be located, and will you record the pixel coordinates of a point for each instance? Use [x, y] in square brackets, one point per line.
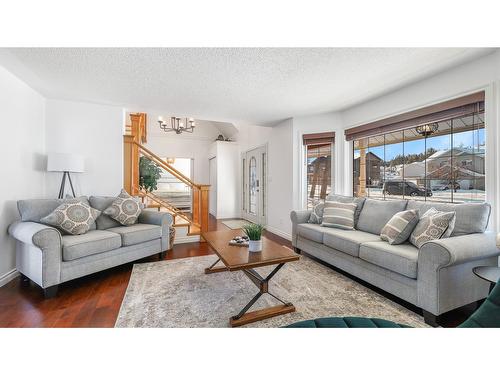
[65, 163]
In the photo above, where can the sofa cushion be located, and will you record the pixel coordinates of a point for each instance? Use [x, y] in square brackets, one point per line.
[348, 199]
[101, 203]
[137, 233]
[401, 259]
[313, 232]
[347, 241]
[93, 242]
[339, 215]
[376, 213]
[470, 217]
[399, 228]
[124, 209]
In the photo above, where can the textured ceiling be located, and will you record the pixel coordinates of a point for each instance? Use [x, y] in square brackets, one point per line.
[246, 86]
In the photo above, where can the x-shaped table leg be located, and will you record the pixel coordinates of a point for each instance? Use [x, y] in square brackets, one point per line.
[263, 284]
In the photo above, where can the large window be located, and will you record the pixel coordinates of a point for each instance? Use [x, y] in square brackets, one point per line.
[438, 161]
[318, 149]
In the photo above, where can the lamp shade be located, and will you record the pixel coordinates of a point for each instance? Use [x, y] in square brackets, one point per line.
[65, 163]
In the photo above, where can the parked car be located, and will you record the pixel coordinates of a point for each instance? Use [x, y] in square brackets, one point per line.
[396, 187]
[448, 186]
[440, 187]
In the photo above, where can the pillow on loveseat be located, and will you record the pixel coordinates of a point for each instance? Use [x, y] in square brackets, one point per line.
[317, 213]
[73, 216]
[399, 228]
[339, 215]
[124, 209]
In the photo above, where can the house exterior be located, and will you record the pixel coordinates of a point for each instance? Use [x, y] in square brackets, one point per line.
[373, 166]
[463, 166]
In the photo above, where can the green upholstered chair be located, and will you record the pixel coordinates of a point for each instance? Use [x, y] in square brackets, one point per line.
[487, 316]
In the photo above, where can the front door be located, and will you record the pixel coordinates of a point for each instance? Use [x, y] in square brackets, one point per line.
[254, 166]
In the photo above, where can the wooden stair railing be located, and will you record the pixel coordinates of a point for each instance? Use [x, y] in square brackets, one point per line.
[133, 149]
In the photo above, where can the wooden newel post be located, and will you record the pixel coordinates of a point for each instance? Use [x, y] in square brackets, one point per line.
[130, 164]
[204, 209]
[196, 205]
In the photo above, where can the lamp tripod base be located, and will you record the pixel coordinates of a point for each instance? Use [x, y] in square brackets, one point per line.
[63, 185]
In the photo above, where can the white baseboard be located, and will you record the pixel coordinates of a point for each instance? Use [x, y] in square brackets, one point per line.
[186, 239]
[278, 232]
[11, 275]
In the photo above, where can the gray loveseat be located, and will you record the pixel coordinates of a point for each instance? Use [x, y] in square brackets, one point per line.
[49, 257]
[437, 277]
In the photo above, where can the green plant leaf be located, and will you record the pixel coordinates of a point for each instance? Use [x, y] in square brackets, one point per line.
[253, 231]
[149, 174]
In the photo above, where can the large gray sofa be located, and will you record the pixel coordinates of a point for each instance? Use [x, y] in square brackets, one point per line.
[49, 257]
[437, 277]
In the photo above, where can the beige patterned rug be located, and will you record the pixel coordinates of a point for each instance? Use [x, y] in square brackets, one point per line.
[177, 293]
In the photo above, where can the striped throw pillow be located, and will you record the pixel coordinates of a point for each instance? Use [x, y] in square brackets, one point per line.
[339, 215]
[398, 229]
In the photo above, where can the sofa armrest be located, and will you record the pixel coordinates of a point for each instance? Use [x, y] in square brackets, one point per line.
[300, 217]
[445, 279]
[39, 235]
[164, 219]
[38, 241]
[450, 251]
[155, 218]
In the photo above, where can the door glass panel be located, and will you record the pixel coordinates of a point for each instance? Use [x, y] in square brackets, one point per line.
[252, 173]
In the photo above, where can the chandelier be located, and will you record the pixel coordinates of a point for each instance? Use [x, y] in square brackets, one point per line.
[177, 125]
[427, 129]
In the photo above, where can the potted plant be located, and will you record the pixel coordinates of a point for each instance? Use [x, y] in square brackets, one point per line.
[254, 233]
[149, 174]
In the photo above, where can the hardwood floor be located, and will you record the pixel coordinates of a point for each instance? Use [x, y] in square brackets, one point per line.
[91, 301]
[94, 300]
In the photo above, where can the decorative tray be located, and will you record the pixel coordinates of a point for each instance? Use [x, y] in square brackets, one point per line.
[239, 241]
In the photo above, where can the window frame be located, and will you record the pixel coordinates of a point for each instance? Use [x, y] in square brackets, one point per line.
[454, 179]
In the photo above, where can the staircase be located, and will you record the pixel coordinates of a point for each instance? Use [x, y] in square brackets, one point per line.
[192, 223]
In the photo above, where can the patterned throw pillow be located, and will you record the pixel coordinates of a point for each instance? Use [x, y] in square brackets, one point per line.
[124, 209]
[339, 215]
[317, 214]
[73, 217]
[399, 228]
[431, 226]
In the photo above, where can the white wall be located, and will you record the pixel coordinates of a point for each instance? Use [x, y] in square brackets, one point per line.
[22, 149]
[94, 131]
[481, 74]
[228, 183]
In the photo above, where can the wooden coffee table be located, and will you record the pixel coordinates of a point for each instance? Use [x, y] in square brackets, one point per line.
[238, 258]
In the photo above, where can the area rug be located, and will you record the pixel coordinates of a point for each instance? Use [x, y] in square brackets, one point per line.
[177, 293]
[235, 224]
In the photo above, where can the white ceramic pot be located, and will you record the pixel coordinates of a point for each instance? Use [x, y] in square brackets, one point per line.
[255, 246]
